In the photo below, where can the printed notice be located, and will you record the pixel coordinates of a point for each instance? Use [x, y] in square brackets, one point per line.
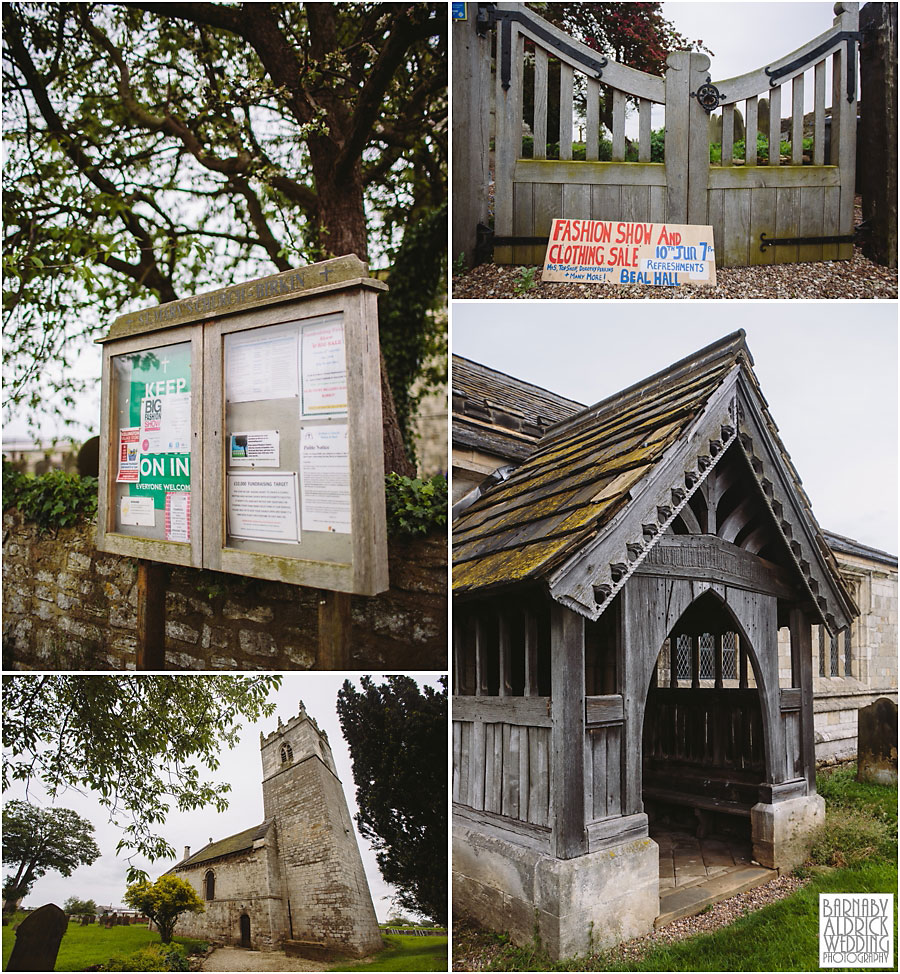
[166, 424]
[137, 511]
[258, 448]
[602, 252]
[264, 368]
[324, 369]
[178, 516]
[129, 455]
[263, 507]
[325, 478]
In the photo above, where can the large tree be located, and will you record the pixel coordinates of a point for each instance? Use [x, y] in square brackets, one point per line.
[397, 735]
[164, 901]
[37, 840]
[138, 742]
[156, 148]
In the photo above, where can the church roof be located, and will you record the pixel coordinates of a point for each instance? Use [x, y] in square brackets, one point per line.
[496, 413]
[239, 842]
[591, 498]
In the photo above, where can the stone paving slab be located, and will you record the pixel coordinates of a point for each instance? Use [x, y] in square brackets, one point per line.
[687, 901]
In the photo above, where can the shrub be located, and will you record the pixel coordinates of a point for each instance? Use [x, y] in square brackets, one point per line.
[415, 507]
[153, 957]
[52, 500]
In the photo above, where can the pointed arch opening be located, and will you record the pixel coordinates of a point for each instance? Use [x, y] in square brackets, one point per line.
[704, 734]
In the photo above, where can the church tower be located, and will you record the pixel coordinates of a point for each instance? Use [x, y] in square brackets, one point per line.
[327, 898]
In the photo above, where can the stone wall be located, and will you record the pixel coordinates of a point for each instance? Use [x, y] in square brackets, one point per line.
[68, 606]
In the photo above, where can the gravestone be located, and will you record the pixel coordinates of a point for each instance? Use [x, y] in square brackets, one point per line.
[38, 938]
[877, 742]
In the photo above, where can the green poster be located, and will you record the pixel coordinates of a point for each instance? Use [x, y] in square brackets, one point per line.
[159, 403]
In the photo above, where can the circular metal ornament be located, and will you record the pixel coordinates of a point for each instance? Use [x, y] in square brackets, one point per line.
[709, 96]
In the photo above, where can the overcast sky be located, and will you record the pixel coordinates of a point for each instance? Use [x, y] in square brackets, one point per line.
[104, 881]
[828, 371]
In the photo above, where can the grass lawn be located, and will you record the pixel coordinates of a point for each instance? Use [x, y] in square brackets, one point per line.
[404, 953]
[83, 947]
[855, 853]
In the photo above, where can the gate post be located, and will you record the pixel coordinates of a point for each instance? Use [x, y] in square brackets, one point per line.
[843, 124]
[471, 126]
[508, 139]
[687, 139]
[877, 157]
[698, 153]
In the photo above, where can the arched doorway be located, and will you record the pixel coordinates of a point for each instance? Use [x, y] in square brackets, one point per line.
[245, 930]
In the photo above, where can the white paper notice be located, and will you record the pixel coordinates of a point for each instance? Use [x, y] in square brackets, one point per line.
[324, 369]
[257, 448]
[137, 510]
[178, 515]
[263, 368]
[166, 424]
[129, 455]
[263, 507]
[325, 478]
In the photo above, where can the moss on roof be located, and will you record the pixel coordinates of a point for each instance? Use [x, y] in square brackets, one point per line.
[238, 842]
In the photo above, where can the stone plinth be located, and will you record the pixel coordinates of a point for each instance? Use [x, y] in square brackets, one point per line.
[782, 831]
[573, 905]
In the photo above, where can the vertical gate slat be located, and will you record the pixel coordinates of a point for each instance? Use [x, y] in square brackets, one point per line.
[540, 103]
[787, 223]
[547, 205]
[644, 108]
[797, 121]
[576, 201]
[565, 110]
[523, 221]
[819, 116]
[812, 219]
[636, 204]
[476, 765]
[762, 221]
[465, 777]
[598, 740]
[844, 119]
[831, 220]
[499, 769]
[775, 126]
[618, 132]
[614, 770]
[524, 755]
[751, 111]
[489, 770]
[606, 202]
[657, 204]
[510, 771]
[508, 142]
[728, 135]
[592, 123]
[737, 222]
[457, 757]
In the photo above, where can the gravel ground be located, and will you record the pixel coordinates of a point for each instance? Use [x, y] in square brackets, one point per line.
[238, 959]
[473, 950]
[856, 278]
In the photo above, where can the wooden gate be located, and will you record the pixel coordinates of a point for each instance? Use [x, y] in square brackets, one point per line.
[775, 210]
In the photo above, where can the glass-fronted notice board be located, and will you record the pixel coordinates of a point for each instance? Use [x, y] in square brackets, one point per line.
[286, 441]
[241, 431]
[153, 443]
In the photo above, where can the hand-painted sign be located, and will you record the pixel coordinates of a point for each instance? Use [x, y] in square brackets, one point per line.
[601, 252]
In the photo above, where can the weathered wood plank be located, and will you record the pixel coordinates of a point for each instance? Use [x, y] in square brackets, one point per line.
[698, 149]
[576, 201]
[524, 786]
[547, 205]
[567, 762]
[599, 776]
[762, 221]
[614, 771]
[737, 228]
[540, 103]
[775, 126]
[566, 85]
[812, 220]
[677, 135]
[465, 779]
[644, 106]
[618, 130]
[539, 776]
[606, 202]
[523, 220]
[657, 204]
[819, 116]
[594, 173]
[787, 223]
[797, 121]
[801, 634]
[592, 120]
[751, 111]
[477, 765]
[604, 709]
[728, 135]
[636, 204]
[715, 217]
[843, 128]
[831, 221]
[507, 144]
[531, 711]
[335, 631]
[151, 615]
[754, 177]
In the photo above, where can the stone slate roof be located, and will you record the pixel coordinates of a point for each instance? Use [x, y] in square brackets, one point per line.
[497, 413]
[580, 480]
[847, 546]
[239, 842]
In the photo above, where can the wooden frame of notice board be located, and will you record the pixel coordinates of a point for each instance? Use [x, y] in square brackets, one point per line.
[286, 477]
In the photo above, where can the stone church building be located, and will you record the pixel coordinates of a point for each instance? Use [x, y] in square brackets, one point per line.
[294, 881]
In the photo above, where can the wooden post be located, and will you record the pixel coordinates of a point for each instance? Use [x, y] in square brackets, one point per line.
[334, 631]
[471, 125]
[801, 638]
[567, 764]
[843, 125]
[152, 577]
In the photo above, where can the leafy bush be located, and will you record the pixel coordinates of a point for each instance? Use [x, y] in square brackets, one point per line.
[153, 957]
[51, 500]
[415, 507]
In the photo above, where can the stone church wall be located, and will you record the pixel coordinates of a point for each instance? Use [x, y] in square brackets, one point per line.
[68, 606]
[236, 876]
